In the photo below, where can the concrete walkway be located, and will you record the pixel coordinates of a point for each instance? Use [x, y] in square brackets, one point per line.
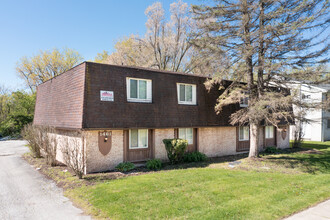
[318, 212]
[27, 194]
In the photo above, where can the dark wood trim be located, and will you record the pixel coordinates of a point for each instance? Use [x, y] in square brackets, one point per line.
[241, 146]
[264, 141]
[267, 140]
[237, 139]
[125, 145]
[139, 154]
[176, 132]
[275, 135]
[196, 139]
[151, 142]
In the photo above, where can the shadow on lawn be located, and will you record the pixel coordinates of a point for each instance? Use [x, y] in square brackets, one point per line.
[308, 161]
[112, 175]
[317, 146]
[212, 160]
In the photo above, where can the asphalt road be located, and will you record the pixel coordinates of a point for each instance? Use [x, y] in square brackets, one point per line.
[27, 194]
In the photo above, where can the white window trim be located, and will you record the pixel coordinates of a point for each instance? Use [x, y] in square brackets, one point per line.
[130, 147]
[272, 134]
[149, 90]
[239, 134]
[192, 130]
[193, 100]
[244, 104]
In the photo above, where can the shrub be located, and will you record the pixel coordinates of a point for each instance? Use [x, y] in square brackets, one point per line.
[46, 141]
[271, 150]
[175, 149]
[125, 166]
[154, 164]
[73, 154]
[194, 157]
[29, 133]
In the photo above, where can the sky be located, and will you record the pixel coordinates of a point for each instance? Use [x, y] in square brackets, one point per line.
[28, 26]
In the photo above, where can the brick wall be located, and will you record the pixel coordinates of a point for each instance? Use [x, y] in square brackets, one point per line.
[97, 162]
[218, 141]
[283, 143]
[60, 100]
[160, 134]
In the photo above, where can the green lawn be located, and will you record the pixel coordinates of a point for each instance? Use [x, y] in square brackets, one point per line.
[292, 182]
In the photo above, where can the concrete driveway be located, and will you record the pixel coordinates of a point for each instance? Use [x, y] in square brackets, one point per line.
[27, 194]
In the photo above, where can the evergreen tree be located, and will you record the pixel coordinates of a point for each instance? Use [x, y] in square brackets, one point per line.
[265, 43]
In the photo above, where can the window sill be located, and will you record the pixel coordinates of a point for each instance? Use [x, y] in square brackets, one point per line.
[244, 140]
[187, 103]
[139, 100]
[139, 148]
[243, 106]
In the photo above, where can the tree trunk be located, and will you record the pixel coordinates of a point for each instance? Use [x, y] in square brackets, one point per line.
[254, 139]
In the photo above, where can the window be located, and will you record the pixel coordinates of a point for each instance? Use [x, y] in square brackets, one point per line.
[187, 134]
[269, 131]
[328, 123]
[139, 90]
[244, 101]
[244, 133]
[186, 94]
[304, 96]
[138, 138]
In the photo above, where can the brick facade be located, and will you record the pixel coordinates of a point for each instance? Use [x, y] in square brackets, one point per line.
[160, 135]
[217, 141]
[97, 162]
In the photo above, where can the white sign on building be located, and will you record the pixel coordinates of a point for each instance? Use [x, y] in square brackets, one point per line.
[106, 96]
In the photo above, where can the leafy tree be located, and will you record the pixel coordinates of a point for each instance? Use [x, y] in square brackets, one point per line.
[165, 46]
[17, 111]
[101, 57]
[46, 65]
[265, 43]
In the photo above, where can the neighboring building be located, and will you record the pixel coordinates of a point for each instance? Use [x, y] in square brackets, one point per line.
[126, 112]
[317, 127]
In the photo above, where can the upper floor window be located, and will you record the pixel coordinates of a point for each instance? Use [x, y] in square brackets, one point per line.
[304, 96]
[186, 94]
[328, 123]
[138, 138]
[269, 131]
[244, 101]
[244, 133]
[139, 90]
[187, 134]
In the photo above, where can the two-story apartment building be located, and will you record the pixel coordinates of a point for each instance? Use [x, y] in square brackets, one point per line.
[126, 112]
[317, 125]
